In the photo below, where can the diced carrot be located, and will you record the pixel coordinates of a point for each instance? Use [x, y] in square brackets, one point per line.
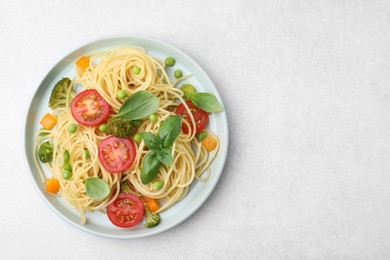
[52, 185]
[152, 204]
[209, 143]
[83, 63]
[48, 121]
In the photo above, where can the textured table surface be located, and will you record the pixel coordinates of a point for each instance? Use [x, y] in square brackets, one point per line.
[306, 85]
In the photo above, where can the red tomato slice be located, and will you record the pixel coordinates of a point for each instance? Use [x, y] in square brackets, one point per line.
[89, 108]
[116, 154]
[126, 211]
[201, 117]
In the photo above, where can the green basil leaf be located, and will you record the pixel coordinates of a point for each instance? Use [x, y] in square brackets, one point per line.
[96, 188]
[206, 102]
[165, 156]
[169, 130]
[151, 141]
[138, 106]
[150, 166]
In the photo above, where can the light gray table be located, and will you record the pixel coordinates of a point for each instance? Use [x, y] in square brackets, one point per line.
[306, 89]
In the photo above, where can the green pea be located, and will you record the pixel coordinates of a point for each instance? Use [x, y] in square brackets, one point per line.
[170, 61]
[87, 154]
[157, 185]
[66, 174]
[138, 137]
[178, 74]
[66, 156]
[103, 127]
[68, 167]
[136, 123]
[136, 70]
[202, 135]
[153, 118]
[43, 133]
[121, 93]
[72, 128]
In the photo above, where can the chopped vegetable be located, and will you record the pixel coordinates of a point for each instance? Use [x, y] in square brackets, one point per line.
[48, 121]
[202, 135]
[125, 187]
[188, 91]
[119, 127]
[45, 152]
[178, 74]
[42, 133]
[201, 117]
[209, 143]
[136, 70]
[151, 220]
[59, 93]
[137, 137]
[52, 185]
[66, 174]
[152, 204]
[170, 61]
[89, 108]
[121, 94]
[116, 154]
[87, 154]
[153, 118]
[103, 128]
[68, 167]
[157, 185]
[66, 156]
[72, 128]
[126, 211]
[137, 123]
[83, 63]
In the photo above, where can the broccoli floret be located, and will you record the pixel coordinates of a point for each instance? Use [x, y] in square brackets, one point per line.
[59, 93]
[152, 220]
[188, 91]
[45, 152]
[119, 127]
[125, 187]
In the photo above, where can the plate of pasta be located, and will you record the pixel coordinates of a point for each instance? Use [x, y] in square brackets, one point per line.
[126, 137]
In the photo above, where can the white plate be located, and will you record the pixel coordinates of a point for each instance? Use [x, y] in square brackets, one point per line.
[98, 223]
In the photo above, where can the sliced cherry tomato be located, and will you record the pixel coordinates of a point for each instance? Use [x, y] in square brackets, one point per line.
[116, 154]
[89, 108]
[126, 211]
[201, 117]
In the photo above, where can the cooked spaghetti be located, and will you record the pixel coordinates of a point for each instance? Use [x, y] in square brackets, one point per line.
[109, 72]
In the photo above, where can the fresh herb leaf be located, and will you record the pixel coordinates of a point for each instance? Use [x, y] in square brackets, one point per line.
[96, 188]
[138, 106]
[165, 156]
[151, 141]
[159, 146]
[169, 130]
[150, 166]
[206, 102]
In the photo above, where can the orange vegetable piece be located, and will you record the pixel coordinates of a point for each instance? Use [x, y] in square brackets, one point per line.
[83, 63]
[48, 121]
[52, 185]
[152, 204]
[209, 143]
